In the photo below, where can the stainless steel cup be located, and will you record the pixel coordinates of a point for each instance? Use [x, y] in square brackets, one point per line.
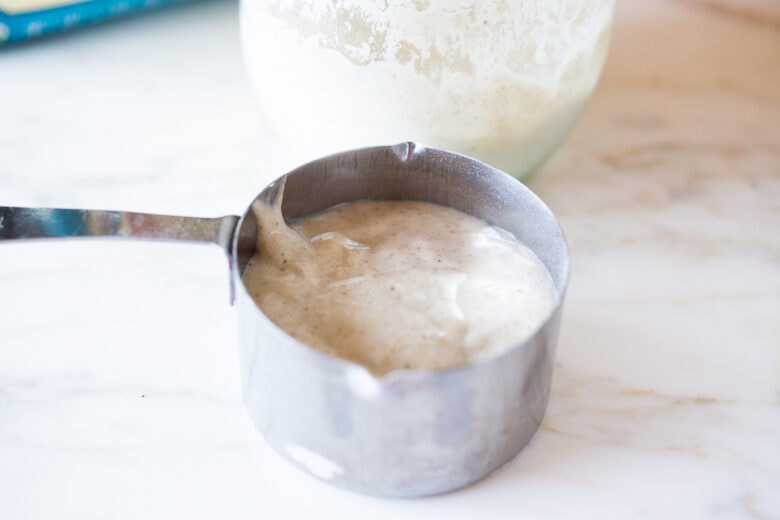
[407, 433]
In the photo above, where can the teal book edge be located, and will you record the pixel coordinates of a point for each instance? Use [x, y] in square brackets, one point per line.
[22, 25]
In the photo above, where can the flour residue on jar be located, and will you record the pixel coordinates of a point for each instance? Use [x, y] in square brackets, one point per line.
[500, 81]
[397, 284]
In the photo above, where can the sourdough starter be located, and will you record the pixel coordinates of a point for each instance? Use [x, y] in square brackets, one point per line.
[398, 284]
[502, 81]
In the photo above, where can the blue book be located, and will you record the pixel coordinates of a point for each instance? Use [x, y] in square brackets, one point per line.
[23, 19]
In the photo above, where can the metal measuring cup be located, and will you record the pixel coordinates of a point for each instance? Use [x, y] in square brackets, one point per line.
[405, 433]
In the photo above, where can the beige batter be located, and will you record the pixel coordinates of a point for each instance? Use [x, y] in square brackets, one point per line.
[398, 284]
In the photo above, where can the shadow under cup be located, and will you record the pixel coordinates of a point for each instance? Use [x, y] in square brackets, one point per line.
[409, 432]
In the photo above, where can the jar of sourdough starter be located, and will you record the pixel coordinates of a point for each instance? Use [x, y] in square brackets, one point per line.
[500, 80]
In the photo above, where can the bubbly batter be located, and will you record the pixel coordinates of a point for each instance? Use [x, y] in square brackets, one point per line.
[397, 284]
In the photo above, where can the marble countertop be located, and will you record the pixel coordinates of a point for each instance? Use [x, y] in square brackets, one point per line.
[119, 382]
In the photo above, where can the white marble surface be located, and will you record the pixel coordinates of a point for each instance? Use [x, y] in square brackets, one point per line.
[119, 390]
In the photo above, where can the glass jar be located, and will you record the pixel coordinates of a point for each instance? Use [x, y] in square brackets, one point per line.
[503, 81]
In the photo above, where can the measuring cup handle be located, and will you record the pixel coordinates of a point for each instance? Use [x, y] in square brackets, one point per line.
[23, 223]
[20, 223]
